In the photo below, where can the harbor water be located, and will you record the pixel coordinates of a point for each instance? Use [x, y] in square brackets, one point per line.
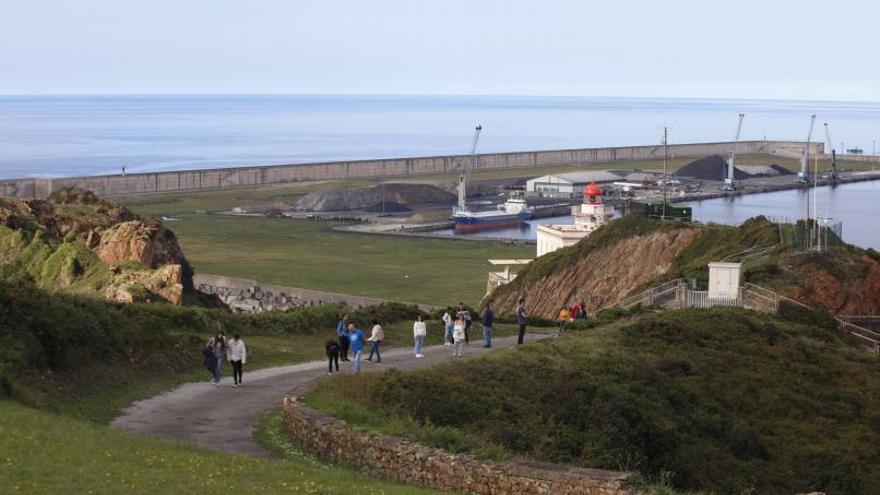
[856, 205]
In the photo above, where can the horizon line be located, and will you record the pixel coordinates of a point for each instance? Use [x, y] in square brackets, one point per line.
[433, 95]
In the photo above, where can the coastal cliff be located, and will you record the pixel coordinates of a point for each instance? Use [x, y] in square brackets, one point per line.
[73, 241]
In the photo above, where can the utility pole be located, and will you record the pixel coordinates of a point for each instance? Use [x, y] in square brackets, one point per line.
[665, 161]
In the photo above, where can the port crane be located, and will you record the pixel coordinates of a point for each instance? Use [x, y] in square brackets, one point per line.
[833, 152]
[466, 172]
[804, 175]
[730, 182]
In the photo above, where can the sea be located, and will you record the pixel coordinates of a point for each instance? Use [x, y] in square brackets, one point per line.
[56, 136]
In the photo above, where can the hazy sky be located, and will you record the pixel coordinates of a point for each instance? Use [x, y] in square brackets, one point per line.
[801, 49]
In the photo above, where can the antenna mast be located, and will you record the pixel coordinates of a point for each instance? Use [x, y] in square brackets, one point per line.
[665, 162]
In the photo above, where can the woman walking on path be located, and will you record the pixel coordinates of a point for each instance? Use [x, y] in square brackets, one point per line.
[217, 345]
[522, 318]
[419, 331]
[488, 318]
[463, 312]
[342, 335]
[376, 337]
[356, 343]
[236, 353]
[332, 348]
[458, 336]
[447, 326]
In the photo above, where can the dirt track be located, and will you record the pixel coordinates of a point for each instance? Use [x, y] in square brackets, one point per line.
[223, 418]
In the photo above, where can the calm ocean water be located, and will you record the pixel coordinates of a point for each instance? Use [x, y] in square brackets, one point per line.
[83, 135]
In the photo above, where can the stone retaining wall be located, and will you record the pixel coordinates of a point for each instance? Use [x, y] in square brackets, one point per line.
[249, 296]
[409, 462]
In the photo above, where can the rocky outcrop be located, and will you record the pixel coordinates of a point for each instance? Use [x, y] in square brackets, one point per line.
[845, 280]
[76, 241]
[603, 277]
[397, 197]
[409, 462]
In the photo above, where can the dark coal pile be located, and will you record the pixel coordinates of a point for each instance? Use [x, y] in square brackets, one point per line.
[709, 168]
[397, 197]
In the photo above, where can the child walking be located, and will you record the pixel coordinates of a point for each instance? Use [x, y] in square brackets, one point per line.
[458, 336]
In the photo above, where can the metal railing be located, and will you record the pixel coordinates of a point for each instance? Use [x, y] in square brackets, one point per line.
[677, 294]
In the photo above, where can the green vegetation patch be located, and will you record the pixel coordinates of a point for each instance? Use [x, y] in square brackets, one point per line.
[43, 453]
[721, 400]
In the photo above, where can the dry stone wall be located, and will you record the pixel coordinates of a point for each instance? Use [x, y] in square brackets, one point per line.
[409, 462]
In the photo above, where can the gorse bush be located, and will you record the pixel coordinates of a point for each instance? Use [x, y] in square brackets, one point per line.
[41, 331]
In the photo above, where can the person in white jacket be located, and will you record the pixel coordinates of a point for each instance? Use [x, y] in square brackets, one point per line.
[236, 354]
[458, 333]
[419, 332]
[376, 338]
[447, 326]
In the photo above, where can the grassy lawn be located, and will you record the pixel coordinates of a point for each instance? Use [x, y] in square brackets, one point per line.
[46, 453]
[303, 253]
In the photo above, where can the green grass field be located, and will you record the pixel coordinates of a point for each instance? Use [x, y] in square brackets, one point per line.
[309, 254]
[43, 453]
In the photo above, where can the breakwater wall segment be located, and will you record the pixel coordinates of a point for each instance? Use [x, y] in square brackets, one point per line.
[197, 180]
[409, 462]
[249, 296]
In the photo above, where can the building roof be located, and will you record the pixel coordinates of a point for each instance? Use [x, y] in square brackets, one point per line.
[578, 177]
[641, 177]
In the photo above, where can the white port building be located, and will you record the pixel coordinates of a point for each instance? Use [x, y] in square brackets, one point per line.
[569, 184]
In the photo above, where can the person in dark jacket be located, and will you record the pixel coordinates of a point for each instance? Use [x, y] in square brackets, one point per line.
[488, 317]
[342, 337]
[332, 348]
[217, 344]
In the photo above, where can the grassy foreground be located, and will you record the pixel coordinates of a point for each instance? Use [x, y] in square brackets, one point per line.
[42, 453]
[303, 253]
[720, 400]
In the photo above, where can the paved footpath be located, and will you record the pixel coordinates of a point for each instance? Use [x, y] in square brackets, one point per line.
[222, 418]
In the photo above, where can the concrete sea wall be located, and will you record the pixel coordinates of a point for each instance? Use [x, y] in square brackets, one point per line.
[402, 460]
[197, 180]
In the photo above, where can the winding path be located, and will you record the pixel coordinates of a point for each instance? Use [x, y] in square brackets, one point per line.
[223, 418]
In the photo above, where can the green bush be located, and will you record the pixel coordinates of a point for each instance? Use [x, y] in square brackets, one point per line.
[722, 400]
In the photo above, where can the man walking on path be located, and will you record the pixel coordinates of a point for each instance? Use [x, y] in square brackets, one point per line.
[377, 335]
[488, 317]
[342, 335]
[236, 353]
[522, 318]
[420, 330]
[332, 348]
[447, 327]
[356, 343]
[464, 313]
[217, 345]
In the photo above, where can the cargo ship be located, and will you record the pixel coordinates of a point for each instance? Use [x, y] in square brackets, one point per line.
[512, 213]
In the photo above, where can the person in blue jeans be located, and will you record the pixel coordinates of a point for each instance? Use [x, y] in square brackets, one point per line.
[356, 344]
[420, 330]
[488, 317]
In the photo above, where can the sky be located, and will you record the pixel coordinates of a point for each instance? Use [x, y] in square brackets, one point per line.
[792, 49]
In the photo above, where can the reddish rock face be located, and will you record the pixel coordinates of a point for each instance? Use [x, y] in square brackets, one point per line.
[603, 277]
[847, 282]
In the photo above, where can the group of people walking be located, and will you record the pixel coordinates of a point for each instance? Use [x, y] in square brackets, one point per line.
[234, 350]
[350, 339]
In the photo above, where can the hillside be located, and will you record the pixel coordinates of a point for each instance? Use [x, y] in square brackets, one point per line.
[633, 253]
[722, 400]
[76, 242]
